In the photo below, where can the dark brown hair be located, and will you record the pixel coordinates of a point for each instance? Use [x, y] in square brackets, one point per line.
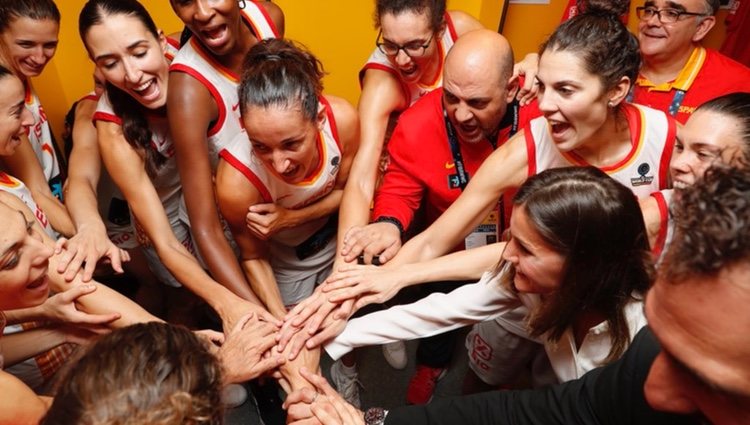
[737, 107]
[435, 10]
[595, 223]
[605, 46]
[712, 225]
[279, 72]
[11, 10]
[148, 373]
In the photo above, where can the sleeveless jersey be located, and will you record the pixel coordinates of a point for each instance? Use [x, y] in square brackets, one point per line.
[414, 91]
[289, 261]
[644, 170]
[666, 224]
[16, 188]
[167, 179]
[41, 140]
[194, 60]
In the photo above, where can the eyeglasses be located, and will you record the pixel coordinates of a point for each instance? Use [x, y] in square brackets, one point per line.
[412, 49]
[665, 16]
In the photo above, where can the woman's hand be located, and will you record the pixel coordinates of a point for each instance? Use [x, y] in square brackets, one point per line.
[323, 406]
[265, 220]
[61, 308]
[243, 353]
[85, 249]
[365, 284]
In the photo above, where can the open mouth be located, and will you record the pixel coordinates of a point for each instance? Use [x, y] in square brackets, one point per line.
[38, 284]
[147, 91]
[215, 36]
[678, 184]
[558, 129]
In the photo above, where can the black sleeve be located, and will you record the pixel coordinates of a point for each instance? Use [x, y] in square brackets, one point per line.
[612, 395]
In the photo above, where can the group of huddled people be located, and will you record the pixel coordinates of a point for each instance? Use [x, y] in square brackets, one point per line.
[586, 210]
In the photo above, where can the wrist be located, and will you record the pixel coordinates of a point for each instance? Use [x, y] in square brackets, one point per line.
[392, 220]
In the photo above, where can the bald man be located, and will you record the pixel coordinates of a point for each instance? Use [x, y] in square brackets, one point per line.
[436, 146]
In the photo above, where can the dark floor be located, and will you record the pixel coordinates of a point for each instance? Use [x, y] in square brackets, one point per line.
[383, 386]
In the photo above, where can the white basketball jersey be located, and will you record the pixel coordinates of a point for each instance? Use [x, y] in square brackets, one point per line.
[414, 91]
[287, 258]
[644, 170]
[194, 60]
[40, 137]
[16, 188]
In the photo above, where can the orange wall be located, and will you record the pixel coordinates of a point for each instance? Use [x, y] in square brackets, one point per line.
[339, 32]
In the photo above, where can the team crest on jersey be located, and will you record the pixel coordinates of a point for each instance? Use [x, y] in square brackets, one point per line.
[335, 164]
[643, 177]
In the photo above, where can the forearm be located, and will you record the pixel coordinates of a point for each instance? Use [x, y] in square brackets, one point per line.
[435, 314]
[22, 315]
[222, 261]
[461, 265]
[19, 405]
[102, 301]
[23, 345]
[81, 203]
[322, 208]
[261, 277]
[55, 212]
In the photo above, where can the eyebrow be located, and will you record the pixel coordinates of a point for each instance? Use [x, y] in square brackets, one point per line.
[109, 55]
[15, 109]
[673, 5]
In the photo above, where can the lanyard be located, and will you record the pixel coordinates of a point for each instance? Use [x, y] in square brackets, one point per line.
[463, 176]
[674, 107]
[458, 159]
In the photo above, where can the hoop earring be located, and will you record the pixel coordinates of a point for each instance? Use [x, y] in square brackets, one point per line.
[242, 4]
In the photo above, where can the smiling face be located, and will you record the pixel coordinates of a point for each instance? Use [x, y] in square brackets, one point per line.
[660, 41]
[23, 262]
[538, 268]
[573, 100]
[703, 366]
[707, 138]
[216, 23]
[30, 44]
[131, 58]
[284, 140]
[15, 118]
[404, 29]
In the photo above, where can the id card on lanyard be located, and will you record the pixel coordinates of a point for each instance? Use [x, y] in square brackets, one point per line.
[487, 232]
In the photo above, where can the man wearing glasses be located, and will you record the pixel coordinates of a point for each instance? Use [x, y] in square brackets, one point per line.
[678, 74]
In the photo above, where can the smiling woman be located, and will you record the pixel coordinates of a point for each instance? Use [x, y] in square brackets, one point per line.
[136, 144]
[28, 41]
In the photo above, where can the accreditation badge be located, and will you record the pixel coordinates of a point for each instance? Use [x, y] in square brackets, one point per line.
[486, 232]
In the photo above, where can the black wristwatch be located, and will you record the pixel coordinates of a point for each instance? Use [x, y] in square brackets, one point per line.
[375, 416]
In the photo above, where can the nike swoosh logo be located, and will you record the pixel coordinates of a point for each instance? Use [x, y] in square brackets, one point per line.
[449, 165]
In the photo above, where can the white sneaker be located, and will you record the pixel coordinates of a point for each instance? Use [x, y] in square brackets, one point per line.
[233, 395]
[395, 354]
[346, 383]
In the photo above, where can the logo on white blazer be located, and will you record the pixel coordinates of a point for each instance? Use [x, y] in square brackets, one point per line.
[643, 178]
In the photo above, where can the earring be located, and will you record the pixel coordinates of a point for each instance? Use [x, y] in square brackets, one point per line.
[611, 104]
[242, 4]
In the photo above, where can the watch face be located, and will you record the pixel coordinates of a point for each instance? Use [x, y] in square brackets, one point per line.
[374, 416]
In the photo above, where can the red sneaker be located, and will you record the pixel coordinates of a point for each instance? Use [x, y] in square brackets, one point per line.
[423, 383]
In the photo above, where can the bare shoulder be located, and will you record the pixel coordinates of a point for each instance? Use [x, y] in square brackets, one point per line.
[234, 192]
[276, 14]
[463, 22]
[347, 122]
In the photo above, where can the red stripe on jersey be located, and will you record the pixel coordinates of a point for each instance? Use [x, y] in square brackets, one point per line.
[247, 172]
[666, 155]
[661, 238]
[214, 93]
[104, 116]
